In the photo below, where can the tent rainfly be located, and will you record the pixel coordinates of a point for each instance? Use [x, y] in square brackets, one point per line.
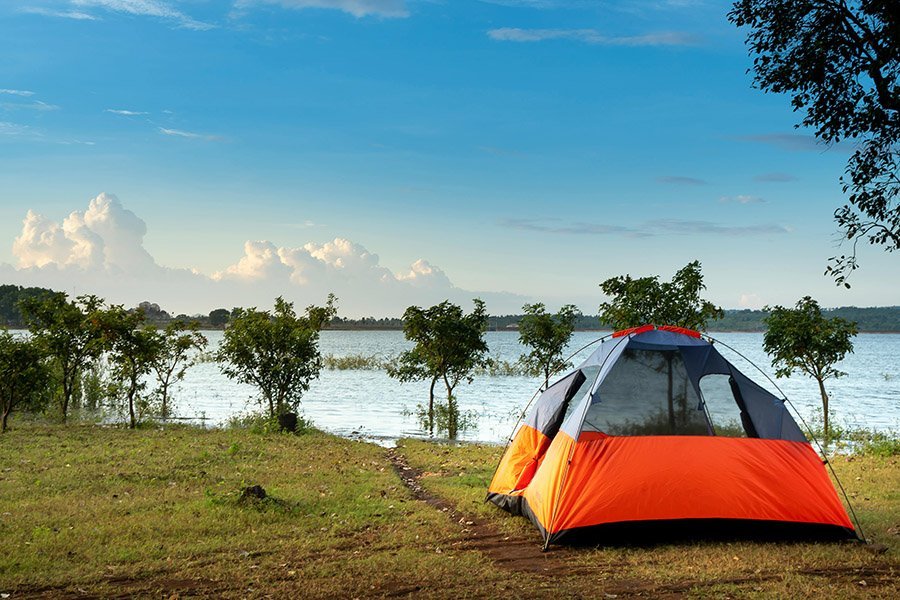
[657, 432]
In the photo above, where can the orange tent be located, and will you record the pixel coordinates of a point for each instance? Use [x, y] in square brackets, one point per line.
[654, 432]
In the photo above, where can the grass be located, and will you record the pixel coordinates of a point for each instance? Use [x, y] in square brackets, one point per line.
[158, 512]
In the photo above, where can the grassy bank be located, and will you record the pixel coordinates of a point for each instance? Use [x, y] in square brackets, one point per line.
[108, 512]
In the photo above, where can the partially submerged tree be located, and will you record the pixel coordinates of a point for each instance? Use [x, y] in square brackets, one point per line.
[802, 340]
[177, 341]
[449, 347]
[277, 352]
[70, 332]
[133, 350]
[839, 60]
[645, 300]
[547, 335]
[26, 376]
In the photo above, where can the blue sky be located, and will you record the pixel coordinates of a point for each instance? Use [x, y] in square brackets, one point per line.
[522, 149]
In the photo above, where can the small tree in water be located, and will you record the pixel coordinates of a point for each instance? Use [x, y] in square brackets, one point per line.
[547, 335]
[169, 366]
[26, 376]
[70, 332]
[277, 352]
[645, 300]
[449, 347]
[801, 340]
[133, 350]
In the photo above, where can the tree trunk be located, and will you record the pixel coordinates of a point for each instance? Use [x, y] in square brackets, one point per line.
[546, 378]
[131, 391]
[431, 406]
[452, 411]
[67, 392]
[824, 409]
[6, 410]
[164, 399]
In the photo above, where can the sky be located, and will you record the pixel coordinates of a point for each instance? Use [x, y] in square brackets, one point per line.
[217, 153]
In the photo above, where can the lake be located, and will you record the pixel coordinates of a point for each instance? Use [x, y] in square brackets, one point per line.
[370, 405]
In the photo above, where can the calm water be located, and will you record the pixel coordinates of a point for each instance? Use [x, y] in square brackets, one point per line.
[369, 404]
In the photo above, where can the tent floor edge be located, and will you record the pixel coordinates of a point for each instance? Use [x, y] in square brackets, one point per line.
[511, 504]
[654, 532]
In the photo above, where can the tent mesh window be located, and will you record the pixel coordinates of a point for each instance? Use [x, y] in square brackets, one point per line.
[647, 392]
[723, 410]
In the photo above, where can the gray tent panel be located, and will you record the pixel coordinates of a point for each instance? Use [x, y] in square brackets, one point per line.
[611, 351]
[768, 413]
[551, 404]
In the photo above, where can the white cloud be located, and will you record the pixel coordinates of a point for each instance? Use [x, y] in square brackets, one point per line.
[14, 129]
[23, 93]
[36, 105]
[62, 14]
[101, 250]
[191, 135]
[126, 113]
[261, 261]
[423, 274]
[147, 8]
[752, 301]
[741, 199]
[592, 36]
[105, 237]
[357, 8]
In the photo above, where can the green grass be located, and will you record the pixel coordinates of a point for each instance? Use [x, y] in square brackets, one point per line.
[157, 512]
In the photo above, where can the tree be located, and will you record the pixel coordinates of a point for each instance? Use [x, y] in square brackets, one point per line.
[26, 376]
[70, 332]
[449, 346]
[133, 351]
[277, 352]
[547, 336]
[840, 61]
[645, 300]
[802, 340]
[170, 364]
[219, 317]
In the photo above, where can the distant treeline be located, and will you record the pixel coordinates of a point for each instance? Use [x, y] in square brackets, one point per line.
[883, 319]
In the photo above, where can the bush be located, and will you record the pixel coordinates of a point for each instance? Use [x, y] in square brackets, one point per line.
[262, 424]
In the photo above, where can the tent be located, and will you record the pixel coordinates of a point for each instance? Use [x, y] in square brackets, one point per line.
[656, 431]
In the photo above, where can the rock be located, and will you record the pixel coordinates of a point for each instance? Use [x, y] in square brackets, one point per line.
[254, 492]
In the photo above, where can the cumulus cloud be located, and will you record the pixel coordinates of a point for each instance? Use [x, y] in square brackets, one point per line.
[592, 36]
[423, 274]
[357, 8]
[105, 237]
[751, 300]
[101, 250]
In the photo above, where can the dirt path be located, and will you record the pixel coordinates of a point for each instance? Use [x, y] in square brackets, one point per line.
[508, 552]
